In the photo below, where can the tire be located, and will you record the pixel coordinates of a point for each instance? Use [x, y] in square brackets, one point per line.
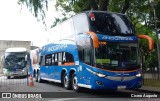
[36, 76]
[74, 83]
[8, 77]
[66, 82]
[39, 78]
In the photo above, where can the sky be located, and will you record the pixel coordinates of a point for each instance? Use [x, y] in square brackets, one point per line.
[20, 24]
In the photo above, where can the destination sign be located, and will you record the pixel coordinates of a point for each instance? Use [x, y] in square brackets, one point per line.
[117, 38]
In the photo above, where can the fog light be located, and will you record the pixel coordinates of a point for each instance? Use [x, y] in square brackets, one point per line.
[99, 83]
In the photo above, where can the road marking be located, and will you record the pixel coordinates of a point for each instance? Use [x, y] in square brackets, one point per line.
[64, 99]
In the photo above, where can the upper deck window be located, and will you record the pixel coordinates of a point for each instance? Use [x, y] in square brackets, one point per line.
[110, 23]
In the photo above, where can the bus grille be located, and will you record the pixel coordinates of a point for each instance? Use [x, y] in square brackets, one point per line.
[120, 78]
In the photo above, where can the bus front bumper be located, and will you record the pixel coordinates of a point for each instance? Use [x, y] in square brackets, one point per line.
[103, 83]
[6, 72]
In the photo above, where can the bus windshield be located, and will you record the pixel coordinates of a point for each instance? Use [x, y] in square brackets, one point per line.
[117, 56]
[110, 23]
[14, 59]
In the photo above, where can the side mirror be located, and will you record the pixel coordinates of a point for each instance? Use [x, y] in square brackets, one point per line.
[26, 58]
[2, 59]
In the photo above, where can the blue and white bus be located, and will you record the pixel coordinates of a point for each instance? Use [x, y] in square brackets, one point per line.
[95, 50]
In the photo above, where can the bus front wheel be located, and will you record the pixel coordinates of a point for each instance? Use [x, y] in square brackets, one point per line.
[74, 82]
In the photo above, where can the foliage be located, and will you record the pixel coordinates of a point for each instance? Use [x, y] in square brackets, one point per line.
[152, 82]
[36, 7]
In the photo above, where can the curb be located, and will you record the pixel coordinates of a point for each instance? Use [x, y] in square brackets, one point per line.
[149, 89]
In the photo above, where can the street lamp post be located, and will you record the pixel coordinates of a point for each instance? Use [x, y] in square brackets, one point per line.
[154, 4]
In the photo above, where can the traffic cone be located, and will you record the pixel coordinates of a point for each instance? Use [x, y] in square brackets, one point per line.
[30, 82]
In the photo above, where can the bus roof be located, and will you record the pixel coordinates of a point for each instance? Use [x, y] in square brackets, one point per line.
[16, 49]
[58, 46]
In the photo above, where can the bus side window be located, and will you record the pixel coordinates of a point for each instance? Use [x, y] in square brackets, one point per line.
[87, 56]
[42, 60]
[48, 60]
[80, 53]
[69, 57]
[54, 59]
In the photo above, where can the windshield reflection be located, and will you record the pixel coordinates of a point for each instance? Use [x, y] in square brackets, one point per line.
[111, 23]
[116, 55]
[15, 60]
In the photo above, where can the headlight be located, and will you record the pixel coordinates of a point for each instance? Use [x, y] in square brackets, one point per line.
[23, 70]
[100, 75]
[139, 75]
[95, 73]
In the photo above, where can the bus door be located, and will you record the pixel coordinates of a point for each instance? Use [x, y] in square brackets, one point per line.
[48, 66]
[85, 51]
[43, 66]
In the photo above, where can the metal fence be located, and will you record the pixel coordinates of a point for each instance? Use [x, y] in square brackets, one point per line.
[13, 81]
[151, 77]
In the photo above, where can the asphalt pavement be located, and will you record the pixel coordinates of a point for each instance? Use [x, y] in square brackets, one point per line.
[150, 89]
[56, 90]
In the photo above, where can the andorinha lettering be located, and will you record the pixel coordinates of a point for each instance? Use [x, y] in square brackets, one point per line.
[57, 47]
[117, 38]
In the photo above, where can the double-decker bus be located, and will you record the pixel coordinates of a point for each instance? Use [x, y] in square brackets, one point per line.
[95, 50]
[15, 62]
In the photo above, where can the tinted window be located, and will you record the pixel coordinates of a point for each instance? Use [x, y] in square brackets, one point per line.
[69, 57]
[48, 60]
[42, 60]
[84, 49]
[59, 58]
[109, 23]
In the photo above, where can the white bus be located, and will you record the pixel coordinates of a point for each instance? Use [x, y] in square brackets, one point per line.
[15, 62]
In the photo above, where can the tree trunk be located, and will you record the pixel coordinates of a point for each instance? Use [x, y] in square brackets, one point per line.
[103, 5]
[125, 6]
[93, 5]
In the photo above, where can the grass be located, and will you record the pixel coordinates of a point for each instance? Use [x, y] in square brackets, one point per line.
[152, 82]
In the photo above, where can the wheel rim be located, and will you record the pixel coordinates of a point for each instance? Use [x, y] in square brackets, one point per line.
[65, 81]
[75, 85]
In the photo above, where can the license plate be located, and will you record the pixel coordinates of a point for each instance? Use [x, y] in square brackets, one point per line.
[121, 87]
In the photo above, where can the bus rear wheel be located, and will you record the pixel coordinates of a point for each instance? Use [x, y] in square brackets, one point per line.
[36, 76]
[66, 82]
[8, 77]
[74, 83]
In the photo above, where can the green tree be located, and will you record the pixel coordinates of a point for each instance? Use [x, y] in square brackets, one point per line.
[36, 7]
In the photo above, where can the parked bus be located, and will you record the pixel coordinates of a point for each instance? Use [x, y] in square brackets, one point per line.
[15, 62]
[95, 50]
